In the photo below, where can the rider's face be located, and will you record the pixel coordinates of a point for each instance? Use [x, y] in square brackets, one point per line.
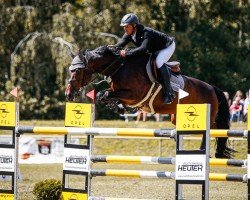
[129, 29]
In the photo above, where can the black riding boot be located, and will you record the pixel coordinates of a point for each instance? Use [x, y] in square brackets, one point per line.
[168, 93]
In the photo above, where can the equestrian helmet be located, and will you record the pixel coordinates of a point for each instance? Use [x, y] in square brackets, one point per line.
[130, 18]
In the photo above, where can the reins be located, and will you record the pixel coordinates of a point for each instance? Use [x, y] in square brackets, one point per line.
[108, 68]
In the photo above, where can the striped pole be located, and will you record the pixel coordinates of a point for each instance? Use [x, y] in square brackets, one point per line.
[228, 177]
[227, 162]
[133, 159]
[132, 173]
[161, 160]
[109, 198]
[136, 132]
[164, 175]
[228, 133]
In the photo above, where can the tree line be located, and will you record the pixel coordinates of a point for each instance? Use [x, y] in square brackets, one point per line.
[212, 43]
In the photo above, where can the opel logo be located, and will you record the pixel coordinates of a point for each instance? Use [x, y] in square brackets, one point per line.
[4, 110]
[191, 113]
[73, 197]
[78, 112]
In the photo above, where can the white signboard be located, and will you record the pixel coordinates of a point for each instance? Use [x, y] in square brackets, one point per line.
[248, 166]
[76, 159]
[7, 160]
[190, 167]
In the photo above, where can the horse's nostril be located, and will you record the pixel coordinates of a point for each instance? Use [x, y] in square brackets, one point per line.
[69, 97]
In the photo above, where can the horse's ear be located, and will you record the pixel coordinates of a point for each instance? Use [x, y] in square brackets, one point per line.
[73, 54]
[82, 58]
[81, 52]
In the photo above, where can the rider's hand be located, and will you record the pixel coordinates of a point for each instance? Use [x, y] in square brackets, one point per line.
[123, 53]
[111, 46]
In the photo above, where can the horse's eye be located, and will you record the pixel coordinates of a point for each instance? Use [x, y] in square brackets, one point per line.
[77, 71]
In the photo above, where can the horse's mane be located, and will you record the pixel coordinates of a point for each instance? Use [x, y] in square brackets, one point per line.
[100, 52]
[103, 51]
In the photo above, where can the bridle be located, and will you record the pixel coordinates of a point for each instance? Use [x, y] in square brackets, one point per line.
[109, 71]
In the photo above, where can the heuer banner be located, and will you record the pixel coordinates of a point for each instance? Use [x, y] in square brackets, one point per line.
[76, 159]
[7, 160]
[190, 167]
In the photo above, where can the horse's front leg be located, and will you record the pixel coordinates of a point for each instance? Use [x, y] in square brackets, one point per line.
[125, 96]
[111, 100]
[103, 96]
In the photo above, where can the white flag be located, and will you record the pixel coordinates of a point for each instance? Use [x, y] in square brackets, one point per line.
[182, 94]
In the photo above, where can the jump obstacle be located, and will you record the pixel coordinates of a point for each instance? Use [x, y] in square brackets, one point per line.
[12, 124]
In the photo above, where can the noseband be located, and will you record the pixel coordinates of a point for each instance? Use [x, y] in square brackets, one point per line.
[73, 79]
[110, 71]
[78, 71]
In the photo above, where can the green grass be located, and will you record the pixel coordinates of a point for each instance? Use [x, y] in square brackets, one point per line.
[136, 188]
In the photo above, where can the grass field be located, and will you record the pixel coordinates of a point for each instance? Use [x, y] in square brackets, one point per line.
[137, 188]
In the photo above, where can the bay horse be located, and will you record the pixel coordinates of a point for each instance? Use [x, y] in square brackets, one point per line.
[130, 84]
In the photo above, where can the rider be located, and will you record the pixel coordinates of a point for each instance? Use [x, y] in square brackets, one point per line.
[151, 41]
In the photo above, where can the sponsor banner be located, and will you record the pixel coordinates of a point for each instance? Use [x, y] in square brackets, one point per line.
[248, 166]
[74, 196]
[8, 114]
[248, 155]
[76, 159]
[191, 117]
[6, 196]
[78, 114]
[7, 160]
[190, 167]
[248, 117]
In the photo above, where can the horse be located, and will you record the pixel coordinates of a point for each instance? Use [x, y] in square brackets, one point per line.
[130, 84]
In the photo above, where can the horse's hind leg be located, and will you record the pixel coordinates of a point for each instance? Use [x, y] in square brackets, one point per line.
[221, 148]
[222, 122]
[222, 151]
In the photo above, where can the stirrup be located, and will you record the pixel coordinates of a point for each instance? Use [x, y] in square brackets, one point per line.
[168, 99]
[172, 93]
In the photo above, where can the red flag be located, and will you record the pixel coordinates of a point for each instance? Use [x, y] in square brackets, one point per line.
[91, 95]
[14, 92]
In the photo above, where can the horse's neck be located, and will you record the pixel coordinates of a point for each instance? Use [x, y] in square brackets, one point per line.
[131, 82]
[101, 65]
[137, 64]
[110, 65]
[132, 68]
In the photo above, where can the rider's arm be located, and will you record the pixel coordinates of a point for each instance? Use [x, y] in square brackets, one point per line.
[141, 49]
[124, 41]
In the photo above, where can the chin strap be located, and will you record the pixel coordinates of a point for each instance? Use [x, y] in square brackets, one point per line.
[134, 29]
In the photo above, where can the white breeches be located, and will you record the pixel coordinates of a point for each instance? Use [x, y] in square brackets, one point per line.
[165, 54]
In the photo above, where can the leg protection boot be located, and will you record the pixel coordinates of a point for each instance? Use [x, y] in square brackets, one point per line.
[168, 93]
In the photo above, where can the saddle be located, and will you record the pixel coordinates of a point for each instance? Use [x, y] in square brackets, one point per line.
[174, 66]
[176, 81]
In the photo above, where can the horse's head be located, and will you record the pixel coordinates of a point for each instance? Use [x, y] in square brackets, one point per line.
[80, 75]
[84, 65]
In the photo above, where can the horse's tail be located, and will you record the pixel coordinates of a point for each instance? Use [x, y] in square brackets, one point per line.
[222, 122]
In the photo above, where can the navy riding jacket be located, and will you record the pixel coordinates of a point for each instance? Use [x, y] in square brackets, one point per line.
[147, 39]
